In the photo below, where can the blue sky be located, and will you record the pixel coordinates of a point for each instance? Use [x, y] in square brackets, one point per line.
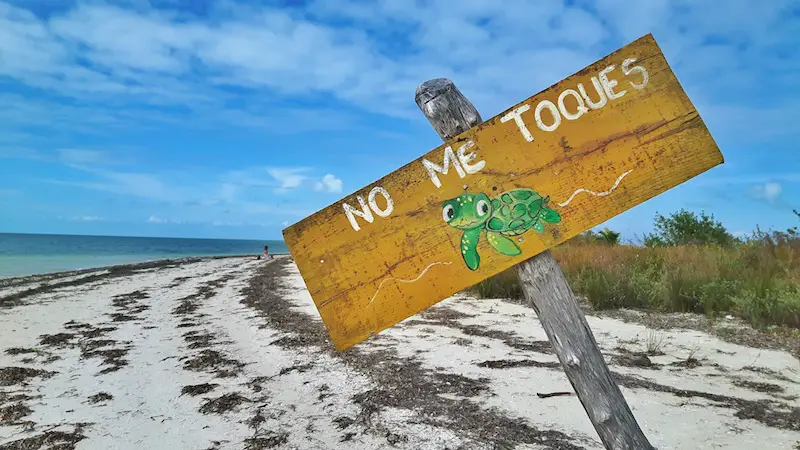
[203, 118]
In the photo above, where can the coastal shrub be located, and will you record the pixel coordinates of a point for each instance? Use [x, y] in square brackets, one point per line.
[718, 296]
[779, 306]
[609, 236]
[686, 228]
[690, 263]
[757, 280]
[600, 287]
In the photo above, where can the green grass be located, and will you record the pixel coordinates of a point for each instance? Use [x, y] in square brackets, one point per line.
[758, 280]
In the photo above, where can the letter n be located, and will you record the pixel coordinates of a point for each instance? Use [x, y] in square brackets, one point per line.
[351, 212]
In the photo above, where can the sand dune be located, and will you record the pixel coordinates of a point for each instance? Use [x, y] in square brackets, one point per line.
[230, 353]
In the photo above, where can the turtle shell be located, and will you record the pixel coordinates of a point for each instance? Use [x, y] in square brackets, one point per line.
[514, 212]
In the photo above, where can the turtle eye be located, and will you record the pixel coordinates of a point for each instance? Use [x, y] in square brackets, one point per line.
[483, 208]
[448, 212]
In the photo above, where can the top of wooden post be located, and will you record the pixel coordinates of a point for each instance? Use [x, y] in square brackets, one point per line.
[447, 109]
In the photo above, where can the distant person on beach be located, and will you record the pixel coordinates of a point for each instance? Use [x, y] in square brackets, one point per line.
[266, 254]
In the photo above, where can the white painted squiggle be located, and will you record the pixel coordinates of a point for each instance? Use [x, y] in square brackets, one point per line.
[597, 194]
[407, 281]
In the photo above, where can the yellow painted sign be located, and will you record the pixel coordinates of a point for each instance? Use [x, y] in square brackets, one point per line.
[592, 146]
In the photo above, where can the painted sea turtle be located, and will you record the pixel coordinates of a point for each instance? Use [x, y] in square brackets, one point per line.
[509, 214]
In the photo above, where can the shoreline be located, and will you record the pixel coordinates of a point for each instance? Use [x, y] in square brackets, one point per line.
[11, 280]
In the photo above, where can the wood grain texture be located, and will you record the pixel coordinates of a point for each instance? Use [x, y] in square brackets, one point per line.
[361, 281]
[448, 118]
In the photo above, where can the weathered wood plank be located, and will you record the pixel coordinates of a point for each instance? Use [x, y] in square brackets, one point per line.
[632, 141]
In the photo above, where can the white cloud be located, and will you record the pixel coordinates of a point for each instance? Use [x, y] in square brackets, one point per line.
[118, 70]
[89, 219]
[76, 157]
[374, 55]
[142, 185]
[21, 153]
[329, 183]
[759, 179]
[281, 179]
[770, 191]
[288, 178]
[224, 223]
[159, 220]
[81, 157]
[235, 197]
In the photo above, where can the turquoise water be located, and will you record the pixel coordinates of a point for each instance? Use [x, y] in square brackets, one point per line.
[28, 254]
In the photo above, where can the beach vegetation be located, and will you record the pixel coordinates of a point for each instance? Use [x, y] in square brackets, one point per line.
[690, 263]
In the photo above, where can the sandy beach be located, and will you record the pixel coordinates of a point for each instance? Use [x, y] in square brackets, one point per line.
[229, 353]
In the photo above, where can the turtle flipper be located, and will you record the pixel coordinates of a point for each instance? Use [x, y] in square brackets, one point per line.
[502, 244]
[538, 227]
[469, 248]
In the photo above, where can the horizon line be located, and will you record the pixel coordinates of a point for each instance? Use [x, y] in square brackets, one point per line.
[140, 237]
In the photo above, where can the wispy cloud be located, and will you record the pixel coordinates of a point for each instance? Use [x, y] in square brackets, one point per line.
[748, 178]
[233, 198]
[142, 185]
[86, 157]
[192, 66]
[84, 74]
[161, 220]
[281, 179]
[769, 192]
[353, 52]
[288, 178]
[89, 219]
[329, 183]
[21, 153]
[70, 156]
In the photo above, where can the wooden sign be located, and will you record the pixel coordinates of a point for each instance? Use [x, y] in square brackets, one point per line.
[592, 146]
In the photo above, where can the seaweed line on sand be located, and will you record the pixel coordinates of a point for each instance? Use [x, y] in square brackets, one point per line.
[400, 382]
[91, 276]
[407, 376]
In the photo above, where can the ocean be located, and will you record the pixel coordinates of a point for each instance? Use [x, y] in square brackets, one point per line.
[28, 254]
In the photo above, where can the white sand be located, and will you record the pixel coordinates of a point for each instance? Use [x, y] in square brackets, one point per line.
[667, 420]
[148, 411]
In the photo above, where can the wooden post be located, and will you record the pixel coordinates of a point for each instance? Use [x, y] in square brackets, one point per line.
[549, 294]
